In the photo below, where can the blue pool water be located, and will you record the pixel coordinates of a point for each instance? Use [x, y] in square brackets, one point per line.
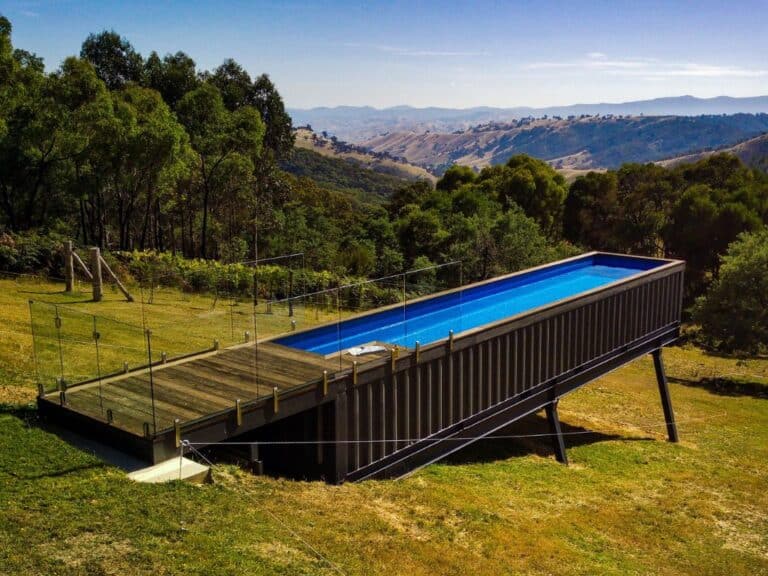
[430, 320]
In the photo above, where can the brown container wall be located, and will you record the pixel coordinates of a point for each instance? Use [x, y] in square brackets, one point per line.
[486, 368]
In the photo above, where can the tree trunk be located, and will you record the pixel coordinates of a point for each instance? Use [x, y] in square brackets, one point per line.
[204, 227]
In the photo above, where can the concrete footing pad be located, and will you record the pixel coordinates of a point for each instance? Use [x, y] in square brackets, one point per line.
[173, 469]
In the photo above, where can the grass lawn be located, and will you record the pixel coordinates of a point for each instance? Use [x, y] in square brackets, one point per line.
[180, 324]
[629, 503]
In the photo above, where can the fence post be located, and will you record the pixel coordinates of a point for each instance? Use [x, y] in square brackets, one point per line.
[69, 267]
[96, 271]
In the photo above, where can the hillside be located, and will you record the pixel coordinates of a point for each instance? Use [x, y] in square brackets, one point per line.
[753, 152]
[341, 175]
[629, 503]
[381, 162]
[358, 123]
[573, 143]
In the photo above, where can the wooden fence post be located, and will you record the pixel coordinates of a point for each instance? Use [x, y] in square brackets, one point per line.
[69, 267]
[96, 272]
[114, 277]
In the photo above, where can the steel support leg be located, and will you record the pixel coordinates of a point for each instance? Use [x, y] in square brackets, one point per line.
[557, 434]
[256, 463]
[666, 401]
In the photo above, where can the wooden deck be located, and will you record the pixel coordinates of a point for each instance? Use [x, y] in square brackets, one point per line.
[194, 387]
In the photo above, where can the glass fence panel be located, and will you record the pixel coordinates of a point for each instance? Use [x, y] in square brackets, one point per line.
[121, 347]
[123, 390]
[435, 304]
[46, 338]
[78, 346]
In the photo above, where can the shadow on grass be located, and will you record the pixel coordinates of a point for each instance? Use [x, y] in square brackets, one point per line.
[26, 412]
[726, 386]
[530, 435]
[106, 455]
[44, 291]
[57, 473]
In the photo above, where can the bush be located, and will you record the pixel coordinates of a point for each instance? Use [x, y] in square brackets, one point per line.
[734, 312]
[165, 269]
[32, 253]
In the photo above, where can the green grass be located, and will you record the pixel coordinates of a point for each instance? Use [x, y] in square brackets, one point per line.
[180, 324]
[629, 503]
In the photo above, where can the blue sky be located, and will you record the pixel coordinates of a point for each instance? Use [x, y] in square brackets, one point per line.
[436, 53]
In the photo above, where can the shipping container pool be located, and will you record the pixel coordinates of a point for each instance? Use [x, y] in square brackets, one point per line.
[430, 319]
[520, 342]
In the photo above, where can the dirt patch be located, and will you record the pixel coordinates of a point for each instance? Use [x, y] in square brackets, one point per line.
[16, 395]
[93, 549]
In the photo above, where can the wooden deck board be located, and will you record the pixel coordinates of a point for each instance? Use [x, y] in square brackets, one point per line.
[201, 385]
[192, 376]
[126, 417]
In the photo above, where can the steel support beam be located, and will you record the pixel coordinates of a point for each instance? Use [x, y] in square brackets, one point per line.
[666, 401]
[557, 434]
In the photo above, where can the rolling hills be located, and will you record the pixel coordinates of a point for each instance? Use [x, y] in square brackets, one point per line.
[382, 163]
[358, 123]
[753, 152]
[341, 175]
[575, 143]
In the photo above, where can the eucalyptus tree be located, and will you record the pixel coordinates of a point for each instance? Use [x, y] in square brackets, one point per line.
[116, 61]
[234, 84]
[645, 193]
[237, 91]
[145, 153]
[592, 212]
[48, 129]
[173, 76]
[734, 312]
[531, 184]
[8, 67]
[221, 139]
[279, 137]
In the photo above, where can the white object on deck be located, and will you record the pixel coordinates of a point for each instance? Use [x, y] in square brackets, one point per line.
[172, 469]
[360, 350]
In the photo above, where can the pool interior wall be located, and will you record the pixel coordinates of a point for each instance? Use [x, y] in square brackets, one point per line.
[430, 319]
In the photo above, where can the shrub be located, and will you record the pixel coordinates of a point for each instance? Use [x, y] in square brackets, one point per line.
[32, 252]
[734, 312]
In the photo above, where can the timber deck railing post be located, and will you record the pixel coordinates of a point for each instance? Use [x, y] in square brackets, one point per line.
[666, 400]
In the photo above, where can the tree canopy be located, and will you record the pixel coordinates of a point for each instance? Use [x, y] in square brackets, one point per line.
[131, 153]
[114, 58]
[734, 313]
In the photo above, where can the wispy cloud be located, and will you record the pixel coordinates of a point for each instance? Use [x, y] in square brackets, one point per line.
[705, 71]
[645, 67]
[29, 13]
[427, 53]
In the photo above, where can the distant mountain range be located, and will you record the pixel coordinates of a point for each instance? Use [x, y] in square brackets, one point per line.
[359, 123]
[577, 143]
